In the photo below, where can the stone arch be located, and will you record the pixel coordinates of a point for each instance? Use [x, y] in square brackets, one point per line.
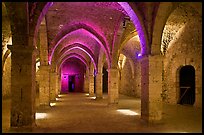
[71, 28]
[5, 57]
[178, 81]
[59, 64]
[137, 20]
[163, 12]
[131, 35]
[43, 7]
[82, 48]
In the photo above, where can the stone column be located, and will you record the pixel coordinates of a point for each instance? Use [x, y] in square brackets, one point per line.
[99, 85]
[151, 86]
[86, 82]
[198, 88]
[113, 81]
[44, 75]
[53, 85]
[22, 86]
[91, 84]
[44, 90]
[59, 84]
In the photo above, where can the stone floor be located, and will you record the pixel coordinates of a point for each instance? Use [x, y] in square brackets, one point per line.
[79, 113]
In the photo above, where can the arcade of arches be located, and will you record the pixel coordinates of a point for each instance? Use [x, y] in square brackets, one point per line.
[146, 51]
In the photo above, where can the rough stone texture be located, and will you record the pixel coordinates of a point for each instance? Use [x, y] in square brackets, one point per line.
[86, 82]
[185, 49]
[23, 90]
[113, 82]
[137, 79]
[151, 85]
[91, 85]
[53, 85]
[44, 85]
[127, 82]
[99, 85]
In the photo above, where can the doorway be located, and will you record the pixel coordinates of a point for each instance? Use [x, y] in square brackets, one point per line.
[105, 81]
[187, 85]
[71, 83]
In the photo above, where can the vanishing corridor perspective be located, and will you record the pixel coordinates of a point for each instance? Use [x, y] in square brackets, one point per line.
[102, 67]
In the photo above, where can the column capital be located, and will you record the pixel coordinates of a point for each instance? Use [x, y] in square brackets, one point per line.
[22, 49]
[147, 57]
[44, 67]
[54, 73]
[99, 73]
[113, 69]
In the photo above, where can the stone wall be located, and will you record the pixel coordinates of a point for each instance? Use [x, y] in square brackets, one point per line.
[130, 80]
[184, 49]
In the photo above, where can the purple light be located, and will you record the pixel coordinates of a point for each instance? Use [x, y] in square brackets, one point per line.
[137, 24]
[139, 55]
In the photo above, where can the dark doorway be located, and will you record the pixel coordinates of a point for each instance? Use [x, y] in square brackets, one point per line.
[94, 83]
[187, 85]
[71, 83]
[105, 81]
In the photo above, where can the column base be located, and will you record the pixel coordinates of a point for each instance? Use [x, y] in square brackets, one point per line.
[22, 129]
[91, 95]
[154, 114]
[98, 98]
[43, 106]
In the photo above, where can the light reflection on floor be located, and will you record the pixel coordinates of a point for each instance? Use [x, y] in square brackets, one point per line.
[40, 115]
[127, 112]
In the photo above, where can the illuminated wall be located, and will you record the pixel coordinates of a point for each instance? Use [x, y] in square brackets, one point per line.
[72, 67]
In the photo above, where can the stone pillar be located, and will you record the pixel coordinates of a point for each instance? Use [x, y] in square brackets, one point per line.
[22, 86]
[113, 81]
[91, 84]
[99, 85]
[86, 83]
[198, 88]
[44, 90]
[151, 86]
[53, 85]
[59, 84]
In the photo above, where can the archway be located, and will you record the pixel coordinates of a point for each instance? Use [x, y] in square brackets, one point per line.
[187, 85]
[72, 75]
[105, 80]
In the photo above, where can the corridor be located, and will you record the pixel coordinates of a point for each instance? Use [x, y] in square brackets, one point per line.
[78, 112]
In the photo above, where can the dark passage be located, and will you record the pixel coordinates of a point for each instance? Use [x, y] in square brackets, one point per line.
[71, 83]
[187, 85]
[105, 81]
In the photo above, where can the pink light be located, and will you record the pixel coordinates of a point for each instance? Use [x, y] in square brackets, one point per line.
[76, 47]
[69, 28]
[81, 30]
[79, 44]
[74, 56]
[124, 5]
